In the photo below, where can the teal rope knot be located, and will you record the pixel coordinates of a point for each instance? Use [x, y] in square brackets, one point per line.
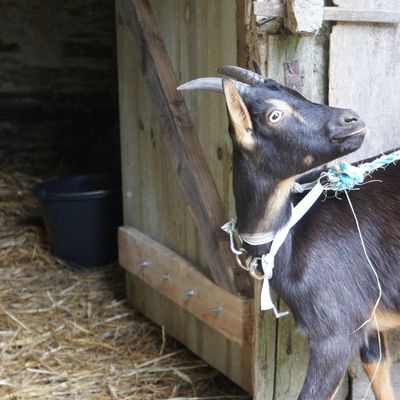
[345, 176]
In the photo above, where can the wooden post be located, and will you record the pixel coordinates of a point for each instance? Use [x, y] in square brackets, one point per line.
[186, 153]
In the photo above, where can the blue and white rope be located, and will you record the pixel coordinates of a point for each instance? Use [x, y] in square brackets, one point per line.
[344, 176]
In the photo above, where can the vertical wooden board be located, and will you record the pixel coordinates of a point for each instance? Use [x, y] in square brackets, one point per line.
[208, 40]
[202, 39]
[291, 363]
[264, 350]
[311, 53]
[130, 123]
[153, 201]
[228, 357]
[364, 75]
[291, 360]
[173, 223]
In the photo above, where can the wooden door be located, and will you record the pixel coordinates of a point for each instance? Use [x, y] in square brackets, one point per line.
[364, 74]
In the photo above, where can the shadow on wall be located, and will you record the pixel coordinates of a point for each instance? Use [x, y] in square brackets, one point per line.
[58, 86]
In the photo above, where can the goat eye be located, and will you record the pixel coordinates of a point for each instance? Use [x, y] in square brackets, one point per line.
[275, 116]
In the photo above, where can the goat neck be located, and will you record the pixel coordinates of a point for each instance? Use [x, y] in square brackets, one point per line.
[263, 203]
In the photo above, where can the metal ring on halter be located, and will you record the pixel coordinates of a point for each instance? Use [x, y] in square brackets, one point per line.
[235, 251]
[253, 269]
[240, 262]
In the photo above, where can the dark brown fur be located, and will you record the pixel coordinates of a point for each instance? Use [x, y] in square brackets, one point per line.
[321, 271]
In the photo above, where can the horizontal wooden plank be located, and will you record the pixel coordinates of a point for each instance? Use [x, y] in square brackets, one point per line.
[180, 281]
[361, 15]
[335, 13]
[185, 150]
[265, 9]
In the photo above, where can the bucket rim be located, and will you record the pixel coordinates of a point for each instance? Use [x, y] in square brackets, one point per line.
[43, 189]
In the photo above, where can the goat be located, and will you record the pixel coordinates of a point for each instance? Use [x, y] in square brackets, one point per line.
[320, 271]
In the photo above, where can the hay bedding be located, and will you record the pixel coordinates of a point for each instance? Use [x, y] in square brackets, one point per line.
[68, 334]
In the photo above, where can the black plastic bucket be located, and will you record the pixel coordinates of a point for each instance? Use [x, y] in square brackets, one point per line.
[82, 214]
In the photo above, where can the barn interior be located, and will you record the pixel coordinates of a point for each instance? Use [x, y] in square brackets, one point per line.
[67, 333]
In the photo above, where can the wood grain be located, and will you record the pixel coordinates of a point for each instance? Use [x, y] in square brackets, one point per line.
[186, 153]
[369, 85]
[181, 282]
[361, 15]
[306, 17]
[228, 357]
[264, 350]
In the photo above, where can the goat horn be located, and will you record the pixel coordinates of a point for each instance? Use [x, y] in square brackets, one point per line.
[241, 74]
[213, 84]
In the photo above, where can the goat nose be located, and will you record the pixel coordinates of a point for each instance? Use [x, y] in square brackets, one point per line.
[349, 117]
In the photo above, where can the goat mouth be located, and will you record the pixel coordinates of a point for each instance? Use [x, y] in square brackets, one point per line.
[343, 137]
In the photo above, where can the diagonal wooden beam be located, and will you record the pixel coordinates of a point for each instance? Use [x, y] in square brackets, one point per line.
[186, 153]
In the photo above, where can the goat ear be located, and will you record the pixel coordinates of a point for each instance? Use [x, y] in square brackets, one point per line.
[239, 117]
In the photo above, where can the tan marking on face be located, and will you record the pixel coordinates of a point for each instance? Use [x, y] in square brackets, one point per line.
[308, 160]
[276, 201]
[381, 385]
[386, 320]
[239, 116]
[286, 108]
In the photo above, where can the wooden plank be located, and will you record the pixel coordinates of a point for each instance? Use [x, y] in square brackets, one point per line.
[180, 281]
[186, 153]
[308, 20]
[264, 350]
[264, 9]
[368, 4]
[230, 358]
[368, 85]
[361, 15]
[304, 16]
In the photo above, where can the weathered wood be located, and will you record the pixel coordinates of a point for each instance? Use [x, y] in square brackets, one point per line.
[264, 350]
[361, 15]
[181, 282]
[293, 77]
[311, 63]
[369, 85]
[186, 153]
[268, 10]
[304, 16]
[307, 16]
[228, 357]
[368, 4]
